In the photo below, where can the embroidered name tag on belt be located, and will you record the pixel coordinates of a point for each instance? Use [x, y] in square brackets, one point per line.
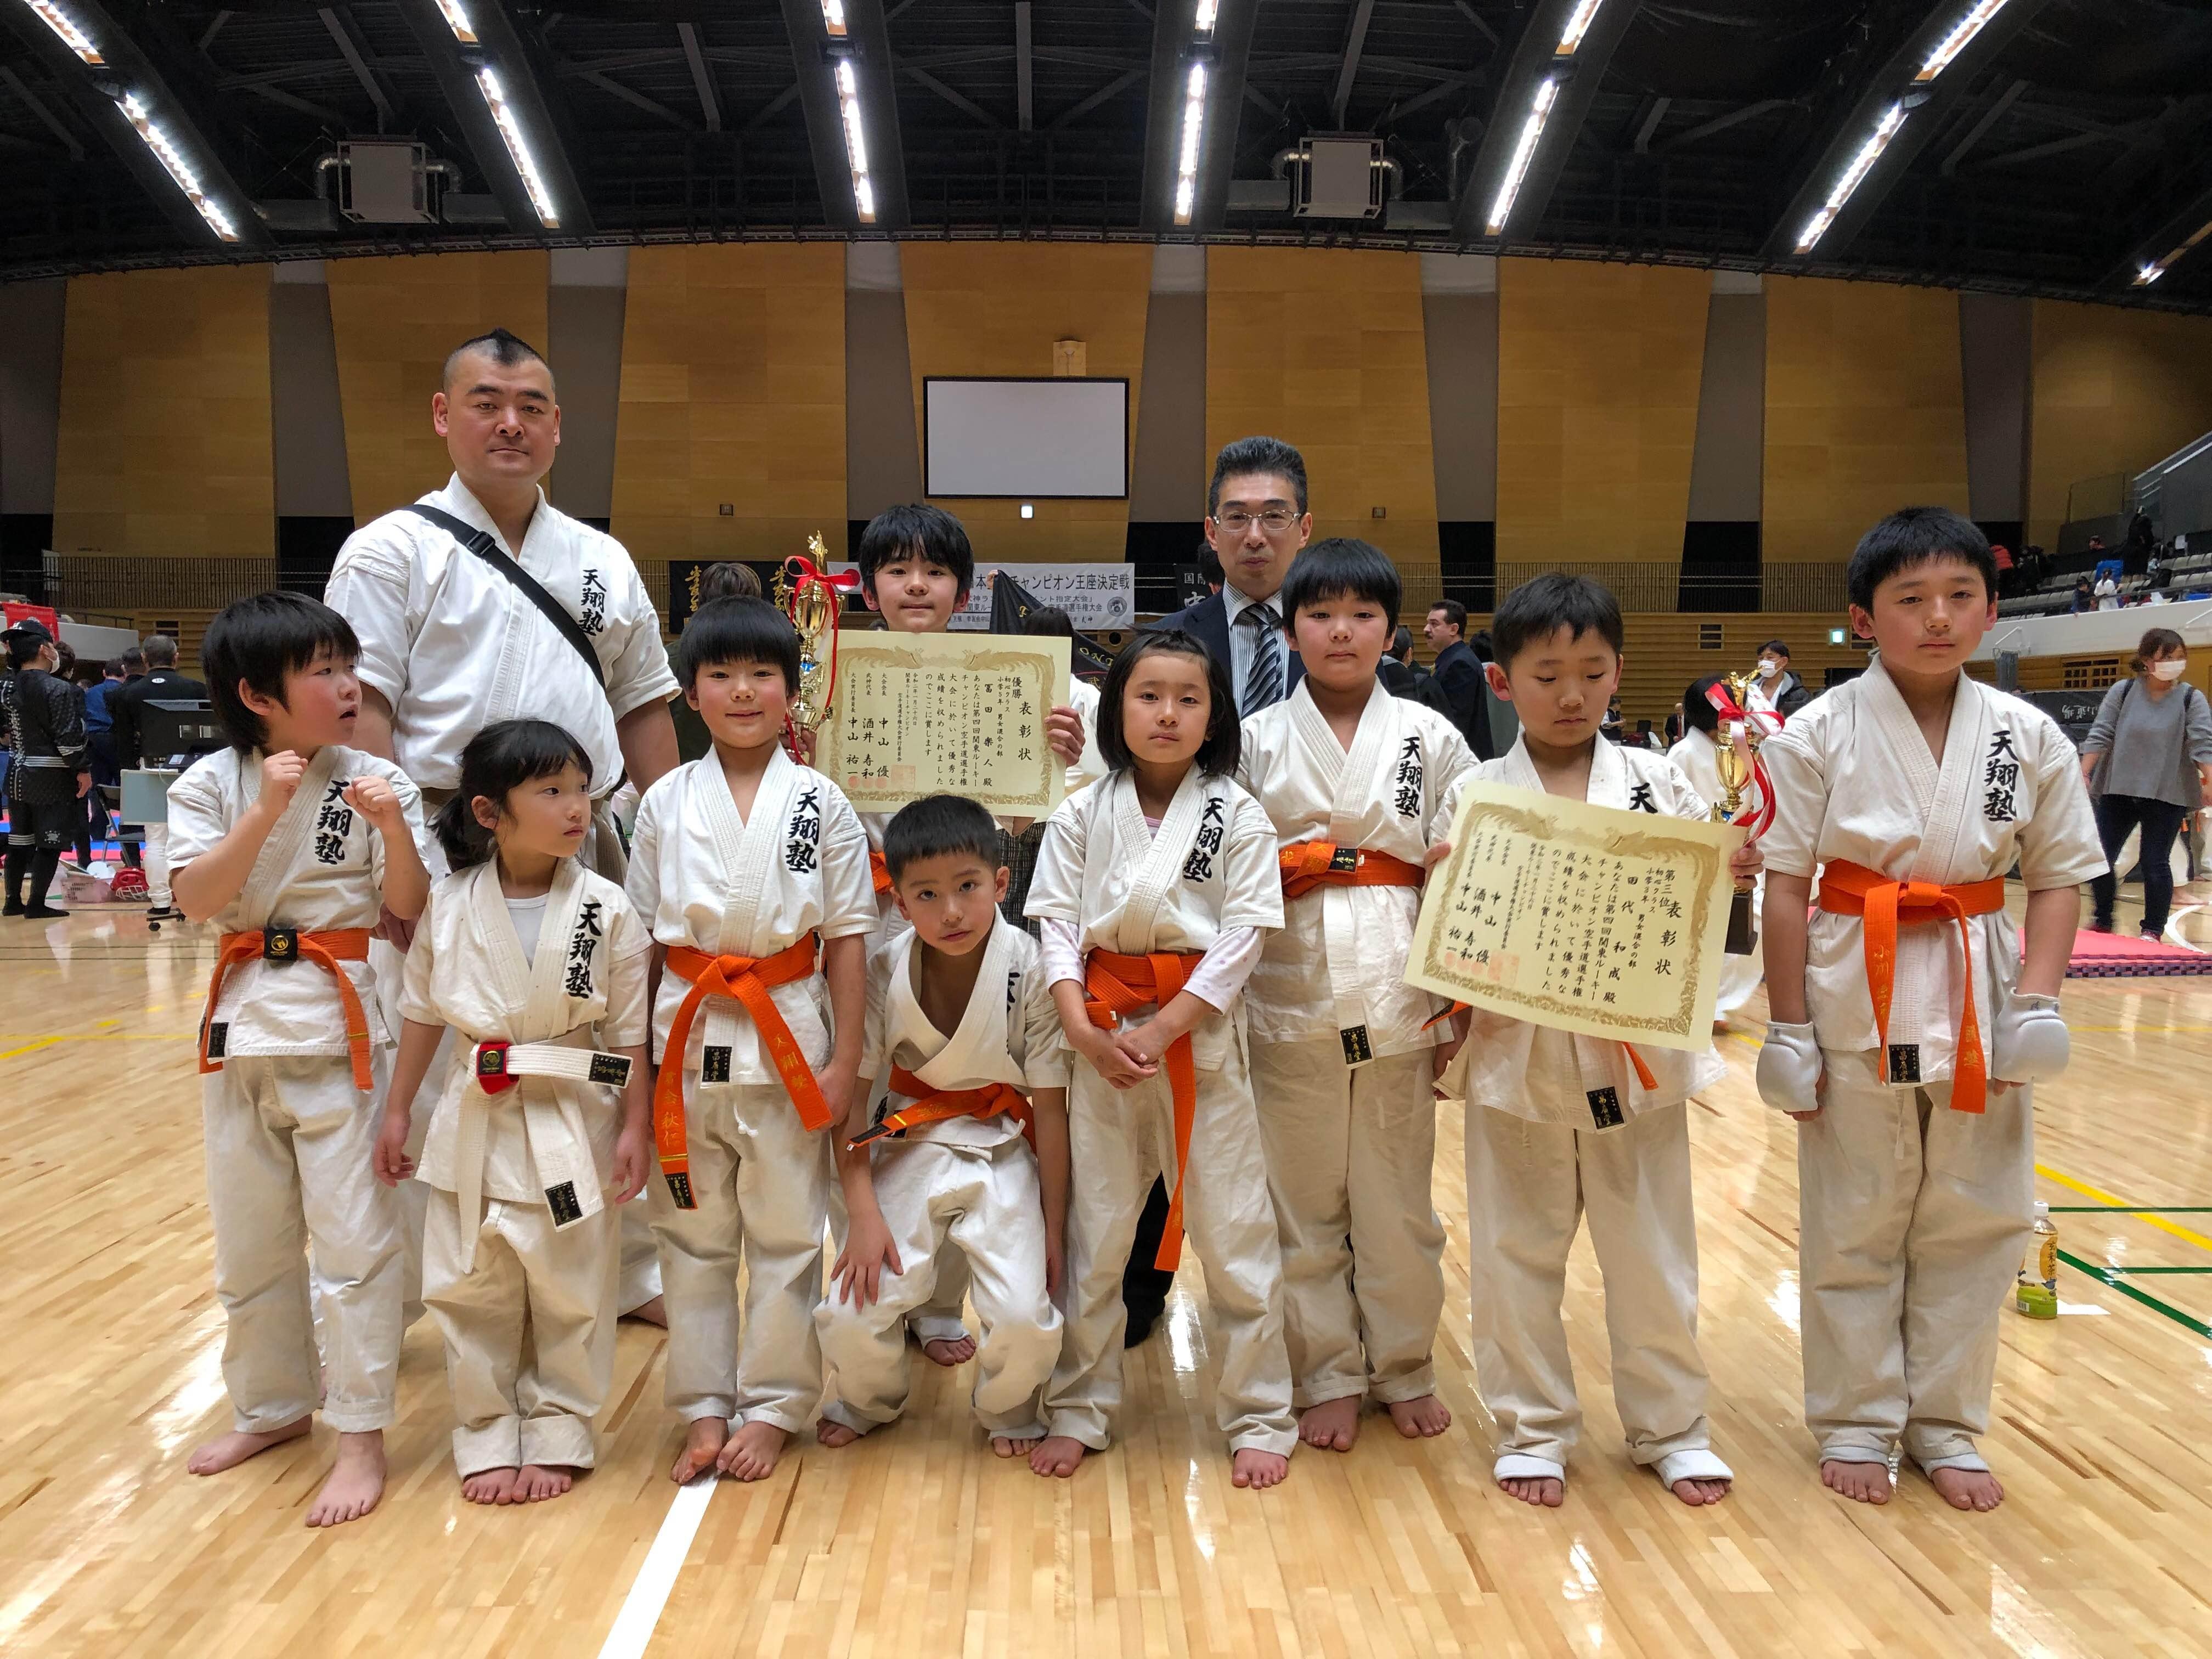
[280, 944]
[1357, 1048]
[1905, 1062]
[563, 1202]
[714, 1064]
[1605, 1108]
[1344, 861]
[615, 1068]
[218, 1035]
[679, 1188]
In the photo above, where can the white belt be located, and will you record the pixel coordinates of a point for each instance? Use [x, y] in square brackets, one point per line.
[490, 1062]
[560, 1141]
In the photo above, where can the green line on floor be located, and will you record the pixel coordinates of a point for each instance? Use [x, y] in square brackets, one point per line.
[2131, 1209]
[2104, 1276]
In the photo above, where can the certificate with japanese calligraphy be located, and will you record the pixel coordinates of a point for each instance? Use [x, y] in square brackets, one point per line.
[1584, 918]
[953, 713]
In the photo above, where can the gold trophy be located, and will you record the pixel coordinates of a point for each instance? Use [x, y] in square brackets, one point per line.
[812, 598]
[1734, 739]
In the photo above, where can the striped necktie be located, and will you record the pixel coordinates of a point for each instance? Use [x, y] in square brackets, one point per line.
[1263, 681]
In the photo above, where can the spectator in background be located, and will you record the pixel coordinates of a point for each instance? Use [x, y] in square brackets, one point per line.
[163, 681]
[1677, 726]
[99, 737]
[1400, 674]
[1209, 568]
[2036, 568]
[1459, 675]
[2084, 598]
[728, 580]
[1479, 641]
[2149, 761]
[2108, 592]
[1777, 690]
[2007, 571]
[1610, 727]
[2135, 556]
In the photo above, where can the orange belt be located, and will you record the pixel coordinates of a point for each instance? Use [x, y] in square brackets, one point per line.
[935, 1105]
[1852, 889]
[289, 944]
[747, 979]
[1307, 865]
[879, 872]
[1115, 984]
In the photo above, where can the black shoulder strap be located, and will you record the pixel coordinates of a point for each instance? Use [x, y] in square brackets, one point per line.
[480, 543]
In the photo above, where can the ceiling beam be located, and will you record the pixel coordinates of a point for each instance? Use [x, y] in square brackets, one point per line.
[2180, 238]
[1112, 89]
[1721, 122]
[1225, 54]
[653, 107]
[1573, 76]
[1024, 103]
[702, 78]
[867, 45]
[37, 106]
[1892, 100]
[1655, 111]
[959, 100]
[1355, 42]
[338, 20]
[1990, 117]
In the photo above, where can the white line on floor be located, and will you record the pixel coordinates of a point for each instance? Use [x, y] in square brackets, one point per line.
[640, 1611]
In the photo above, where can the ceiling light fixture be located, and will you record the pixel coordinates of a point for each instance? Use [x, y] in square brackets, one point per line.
[503, 118]
[173, 163]
[458, 21]
[1853, 177]
[833, 17]
[1194, 127]
[1524, 152]
[2147, 274]
[72, 35]
[1956, 41]
[1203, 21]
[856, 145]
[1579, 26]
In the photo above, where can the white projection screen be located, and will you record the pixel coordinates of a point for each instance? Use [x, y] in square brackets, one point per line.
[1039, 439]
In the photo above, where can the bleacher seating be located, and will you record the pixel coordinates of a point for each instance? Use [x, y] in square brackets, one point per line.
[2191, 573]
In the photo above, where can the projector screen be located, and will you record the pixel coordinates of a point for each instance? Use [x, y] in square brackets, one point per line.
[1036, 439]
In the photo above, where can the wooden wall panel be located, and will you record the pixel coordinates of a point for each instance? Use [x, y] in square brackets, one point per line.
[395, 321]
[1598, 370]
[732, 390]
[1326, 349]
[164, 445]
[2115, 391]
[1865, 411]
[996, 308]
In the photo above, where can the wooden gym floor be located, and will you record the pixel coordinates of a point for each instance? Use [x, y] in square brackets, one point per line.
[917, 1542]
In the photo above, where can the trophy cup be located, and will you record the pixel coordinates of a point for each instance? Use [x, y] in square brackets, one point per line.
[1735, 747]
[813, 598]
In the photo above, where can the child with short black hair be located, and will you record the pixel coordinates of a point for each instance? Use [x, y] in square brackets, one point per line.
[752, 872]
[966, 1145]
[1154, 888]
[292, 843]
[1345, 1053]
[540, 964]
[1913, 790]
[1695, 754]
[1559, 1125]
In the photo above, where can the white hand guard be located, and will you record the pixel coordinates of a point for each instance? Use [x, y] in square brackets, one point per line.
[2029, 1042]
[1789, 1068]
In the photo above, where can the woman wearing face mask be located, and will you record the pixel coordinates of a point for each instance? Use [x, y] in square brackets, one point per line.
[2148, 761]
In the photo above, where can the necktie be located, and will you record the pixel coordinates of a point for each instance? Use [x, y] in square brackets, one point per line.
[1263, 681]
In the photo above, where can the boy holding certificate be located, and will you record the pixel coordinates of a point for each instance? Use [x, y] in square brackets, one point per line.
[1906, 1024]
[1559, 1123]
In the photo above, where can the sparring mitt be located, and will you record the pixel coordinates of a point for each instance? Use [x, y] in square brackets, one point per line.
[1789, 1068]
[2028, 1043]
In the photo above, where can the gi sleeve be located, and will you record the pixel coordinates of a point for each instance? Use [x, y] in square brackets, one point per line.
[1056, 883]
[1795, 771]
[1683, 801]
[1227, 963]
[66, 723]
[638, 672]
[368, 587]
[410, 803]
[1059, 950]
[875, 1060]
[1252, 885]
[2059, 845]
[1033, 1025]
[417, 989]
[1450, 760]
[643, 883]
[198, 818]
[848, 891]
[628, 1023]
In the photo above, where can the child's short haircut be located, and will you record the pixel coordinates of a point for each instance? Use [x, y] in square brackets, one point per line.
[1700, 713]
[501, 758]
[1224, 748]
[1913, 535]
[938, 826]
[1049, 622]
[1249, 457]
[738, 630]
[1536, 610]
[259, 641]
[916, 530]
[728, 580]
[1343, 568]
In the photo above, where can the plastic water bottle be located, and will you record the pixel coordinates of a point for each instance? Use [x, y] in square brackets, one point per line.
[2036, 1295]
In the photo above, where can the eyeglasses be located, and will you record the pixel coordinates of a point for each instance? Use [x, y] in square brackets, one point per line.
[1274, 521]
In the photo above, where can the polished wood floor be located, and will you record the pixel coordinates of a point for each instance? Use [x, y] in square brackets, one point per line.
[916, 1542]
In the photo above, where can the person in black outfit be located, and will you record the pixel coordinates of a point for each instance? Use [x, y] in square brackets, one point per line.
[49, 770]
[162, 682]
[1401, 675]
[1459, 673]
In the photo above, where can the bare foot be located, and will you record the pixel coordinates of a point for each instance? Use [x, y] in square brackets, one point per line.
[1057, 1454]
[356, 1481]
[1255, 1468]
[752, 1451]
[949, 1352]
[702, 1446]
[489, 1486]
[1968, 1489]
[1332, 1425]
[536, 1482]
[1012, 1445]
[227, 1451]
[1543, 1490]
[1866, 1483]
[1421, 1419]
[833, 1434]
[655, 1312]
[1697, 1493]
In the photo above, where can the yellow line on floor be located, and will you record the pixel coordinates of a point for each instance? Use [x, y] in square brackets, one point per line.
[2088, 1191]
[95, 1036]
[31, 1047]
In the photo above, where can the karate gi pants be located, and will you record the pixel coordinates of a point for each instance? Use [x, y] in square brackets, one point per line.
[1913, 1220]
[288, 1138]
[1350, 1153]
[1528, 1185]
[530, 1330]
[979, 1207]
[156, 859]
[761, 1179]
[1118, 1141]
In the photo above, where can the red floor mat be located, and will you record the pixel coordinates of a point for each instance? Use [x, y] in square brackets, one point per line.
[2115, 956]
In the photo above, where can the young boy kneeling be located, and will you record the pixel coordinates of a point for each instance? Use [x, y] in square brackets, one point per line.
[969, 1147]
[1903, 1013]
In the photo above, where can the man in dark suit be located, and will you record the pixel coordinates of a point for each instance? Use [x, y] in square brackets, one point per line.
[1255, 523]
[126, 704]
[1459, 673]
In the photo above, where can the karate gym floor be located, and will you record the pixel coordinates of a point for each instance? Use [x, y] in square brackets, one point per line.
[916, 1542]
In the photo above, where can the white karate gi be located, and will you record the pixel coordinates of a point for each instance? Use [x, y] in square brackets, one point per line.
[1558, 1126]
[1341, 1064]
[288, 1136]
[1209, 869]
[1090, 766]
[1740, 975]
[700, 876]
[525, 1293]
[964, 1185]
[1914, 1215]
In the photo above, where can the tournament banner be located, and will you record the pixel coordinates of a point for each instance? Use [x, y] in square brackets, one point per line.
[1095, 596]
[1010, 604]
